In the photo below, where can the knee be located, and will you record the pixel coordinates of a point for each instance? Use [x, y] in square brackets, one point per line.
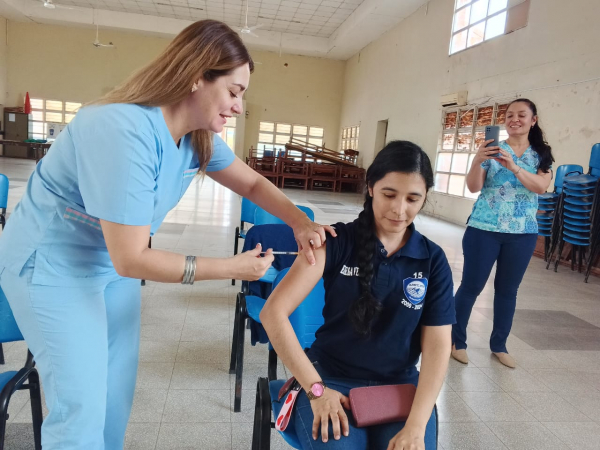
[505, 291]
[468, 290]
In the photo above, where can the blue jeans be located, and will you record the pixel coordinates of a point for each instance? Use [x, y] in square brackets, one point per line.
[481, 249]
[85, 341]
[370, 438]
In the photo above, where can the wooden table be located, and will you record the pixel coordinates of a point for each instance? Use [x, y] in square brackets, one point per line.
[39, 149]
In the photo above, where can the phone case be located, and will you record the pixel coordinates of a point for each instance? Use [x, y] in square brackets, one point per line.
[493, 132]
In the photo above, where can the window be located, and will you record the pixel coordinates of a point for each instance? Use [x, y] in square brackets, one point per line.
[476, 21]
[228, 133]
[44, 112]
[274, 136]
[349, 138]
[463, 130]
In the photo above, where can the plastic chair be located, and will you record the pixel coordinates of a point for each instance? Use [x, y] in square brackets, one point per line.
[3, 198]
[247, 216]
[594, 171]
[12, 381]
[580, 222]
[262, 217]
[579, 215]
[252, 298]
[306, 320]
[548, 203]
[3, 204]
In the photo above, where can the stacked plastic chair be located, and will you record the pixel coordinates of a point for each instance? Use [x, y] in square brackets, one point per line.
[548, 203]
[580, 215]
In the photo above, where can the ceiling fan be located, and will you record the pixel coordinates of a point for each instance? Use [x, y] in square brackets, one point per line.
[51, 5]
[246, 29]
[98, 44]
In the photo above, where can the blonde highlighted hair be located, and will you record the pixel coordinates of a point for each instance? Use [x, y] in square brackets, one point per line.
[207, 49]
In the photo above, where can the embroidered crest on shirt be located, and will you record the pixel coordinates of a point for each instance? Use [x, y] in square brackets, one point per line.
[349, 271]
[415, 289]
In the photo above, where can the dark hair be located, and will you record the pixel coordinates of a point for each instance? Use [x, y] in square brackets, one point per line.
[537, 139]
[397, 156]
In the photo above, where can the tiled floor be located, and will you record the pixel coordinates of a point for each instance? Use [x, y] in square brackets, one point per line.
[184, 393]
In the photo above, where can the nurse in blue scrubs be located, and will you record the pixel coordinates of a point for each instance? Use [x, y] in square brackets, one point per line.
[75, 247]
[388, 301]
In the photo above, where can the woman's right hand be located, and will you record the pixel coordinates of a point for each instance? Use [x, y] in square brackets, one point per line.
[250, 266]
[330, 406]
[484, 153]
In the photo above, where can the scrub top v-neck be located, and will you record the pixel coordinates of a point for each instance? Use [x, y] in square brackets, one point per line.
[113, 162]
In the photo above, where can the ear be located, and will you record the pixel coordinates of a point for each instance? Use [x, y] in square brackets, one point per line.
[370, 189]
[534, 120]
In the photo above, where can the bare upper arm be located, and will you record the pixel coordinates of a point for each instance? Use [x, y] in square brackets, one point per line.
[124, 242]
[433, 336]
[297, 284]
[547, 176]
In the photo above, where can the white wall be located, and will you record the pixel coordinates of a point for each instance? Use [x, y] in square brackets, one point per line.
[3, 69]
[3, 60]
[402, 75]
[59, 62]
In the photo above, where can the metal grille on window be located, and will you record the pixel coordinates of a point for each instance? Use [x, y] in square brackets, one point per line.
[463, 131]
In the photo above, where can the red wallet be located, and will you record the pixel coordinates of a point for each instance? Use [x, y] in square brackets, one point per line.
[376, 405]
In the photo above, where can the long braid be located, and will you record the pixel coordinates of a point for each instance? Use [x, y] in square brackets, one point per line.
[366, 308]
[396, 156]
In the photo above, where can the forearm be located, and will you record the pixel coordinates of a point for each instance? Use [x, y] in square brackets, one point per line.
[284, 341]
[475, 177]
[534, 182]
[168, 267]
[266, 195]
[434, 364]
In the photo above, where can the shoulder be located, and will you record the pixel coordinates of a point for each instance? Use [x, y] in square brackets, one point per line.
[532, 155]
[437, 256]
[218, 142]
[343, 243]
[345, 231]
[114, 116]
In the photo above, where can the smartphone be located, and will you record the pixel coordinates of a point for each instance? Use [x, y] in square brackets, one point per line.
[493, 132]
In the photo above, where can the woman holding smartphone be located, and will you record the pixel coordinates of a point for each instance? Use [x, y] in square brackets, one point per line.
[502, 228]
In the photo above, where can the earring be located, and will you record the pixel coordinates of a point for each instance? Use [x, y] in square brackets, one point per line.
[194, 87]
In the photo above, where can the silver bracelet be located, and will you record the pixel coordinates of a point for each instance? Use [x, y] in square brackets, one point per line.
[189, 273]
[517, 172]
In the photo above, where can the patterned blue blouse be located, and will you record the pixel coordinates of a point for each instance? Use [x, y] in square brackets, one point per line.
[504, 204]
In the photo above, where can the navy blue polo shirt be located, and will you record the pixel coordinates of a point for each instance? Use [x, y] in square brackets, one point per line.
[415, 288]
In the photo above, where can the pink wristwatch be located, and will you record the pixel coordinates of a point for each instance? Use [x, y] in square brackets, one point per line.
[316, 390]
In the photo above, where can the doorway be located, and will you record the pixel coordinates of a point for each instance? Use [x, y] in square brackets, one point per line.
[380, 136]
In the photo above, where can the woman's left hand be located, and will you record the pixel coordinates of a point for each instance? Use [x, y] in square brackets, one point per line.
[506, 160]
[310, 235]
[409, 438]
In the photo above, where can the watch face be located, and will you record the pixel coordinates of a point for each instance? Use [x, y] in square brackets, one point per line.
[317, 389]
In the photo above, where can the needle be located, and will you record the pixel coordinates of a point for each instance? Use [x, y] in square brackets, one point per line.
[281, 253]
